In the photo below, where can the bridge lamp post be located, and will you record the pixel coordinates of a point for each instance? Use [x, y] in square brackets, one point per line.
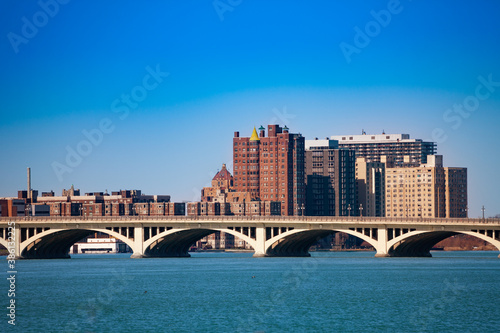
[349, 210]
[483, 209]
[80, 209]
[361, 210]
[302, 210]
[27, 211]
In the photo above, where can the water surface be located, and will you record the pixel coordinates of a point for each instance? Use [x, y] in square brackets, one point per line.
[233, 292]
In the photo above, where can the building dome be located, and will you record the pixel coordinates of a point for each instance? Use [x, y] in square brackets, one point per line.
[223, 174]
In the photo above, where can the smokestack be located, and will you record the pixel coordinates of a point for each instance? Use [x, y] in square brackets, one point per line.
[29, 183]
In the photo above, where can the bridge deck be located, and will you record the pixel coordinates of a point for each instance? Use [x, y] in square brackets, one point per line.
[251, 219]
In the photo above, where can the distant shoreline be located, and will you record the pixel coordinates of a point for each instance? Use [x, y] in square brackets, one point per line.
[4, 252]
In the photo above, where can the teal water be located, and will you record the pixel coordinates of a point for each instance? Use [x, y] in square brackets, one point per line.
[233, 292]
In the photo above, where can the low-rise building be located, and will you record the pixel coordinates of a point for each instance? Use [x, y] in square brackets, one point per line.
[100, 245]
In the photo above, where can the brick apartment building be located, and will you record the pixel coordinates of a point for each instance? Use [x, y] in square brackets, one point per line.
[223, 199]
[71, 203]
[271, 168]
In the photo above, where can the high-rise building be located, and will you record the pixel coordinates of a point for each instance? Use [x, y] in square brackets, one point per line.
[394, 146]
[429, 190]
[456, 192]
[330, 178]
[271, 168]
[370, 184]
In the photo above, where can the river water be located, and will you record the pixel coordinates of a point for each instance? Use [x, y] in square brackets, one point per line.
[233, 292]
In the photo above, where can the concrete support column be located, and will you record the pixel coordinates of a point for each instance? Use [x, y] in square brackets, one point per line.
[382, 250]
[138, 242]
[17, 241]
[260, 242]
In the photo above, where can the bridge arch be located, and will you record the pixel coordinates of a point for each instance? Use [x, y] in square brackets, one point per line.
[56, 243]
[176, 242]
[296, 242]
[4, 243]
[419, 243]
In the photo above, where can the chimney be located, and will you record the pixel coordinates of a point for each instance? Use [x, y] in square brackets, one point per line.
[29, 183]
[262, 131]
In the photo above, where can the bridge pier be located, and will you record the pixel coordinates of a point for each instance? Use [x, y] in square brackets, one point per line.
[381, 248]
[17, 242]
[260, 242]
[138, 249]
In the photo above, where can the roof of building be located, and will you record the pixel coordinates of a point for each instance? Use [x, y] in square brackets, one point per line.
[373, 138]
[254, 136]
[223, 174]
[321, 144]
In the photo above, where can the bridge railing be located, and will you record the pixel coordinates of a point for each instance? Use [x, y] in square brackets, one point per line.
[272, 219]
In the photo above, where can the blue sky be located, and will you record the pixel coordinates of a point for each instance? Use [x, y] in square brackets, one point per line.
[233, 65]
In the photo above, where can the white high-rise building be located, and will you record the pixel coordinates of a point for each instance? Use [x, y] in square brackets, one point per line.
[394, 146]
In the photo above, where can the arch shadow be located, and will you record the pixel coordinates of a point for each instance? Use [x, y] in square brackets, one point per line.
[56, 243]
[420, 243]
[296, 243]
[177, 242]
[3, 244]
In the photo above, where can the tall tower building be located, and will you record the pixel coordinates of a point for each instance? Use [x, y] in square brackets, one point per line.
[394, 146]
[330, 179]
[456, 192]
[246, 164]
[271, 168]
[370, 183]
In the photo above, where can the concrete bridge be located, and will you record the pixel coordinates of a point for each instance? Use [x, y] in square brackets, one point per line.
[172, 236]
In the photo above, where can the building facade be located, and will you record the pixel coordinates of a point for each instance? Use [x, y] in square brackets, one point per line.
[222, 199]
[394, 146]
[118, 203]
[330, 179]
[370, 187]
[271, 168]
[456, 192]
[429, 190]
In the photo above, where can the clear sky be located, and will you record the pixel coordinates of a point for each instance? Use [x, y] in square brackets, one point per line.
[160, 86]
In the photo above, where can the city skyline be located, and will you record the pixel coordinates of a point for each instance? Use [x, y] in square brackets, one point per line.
[256, 64]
